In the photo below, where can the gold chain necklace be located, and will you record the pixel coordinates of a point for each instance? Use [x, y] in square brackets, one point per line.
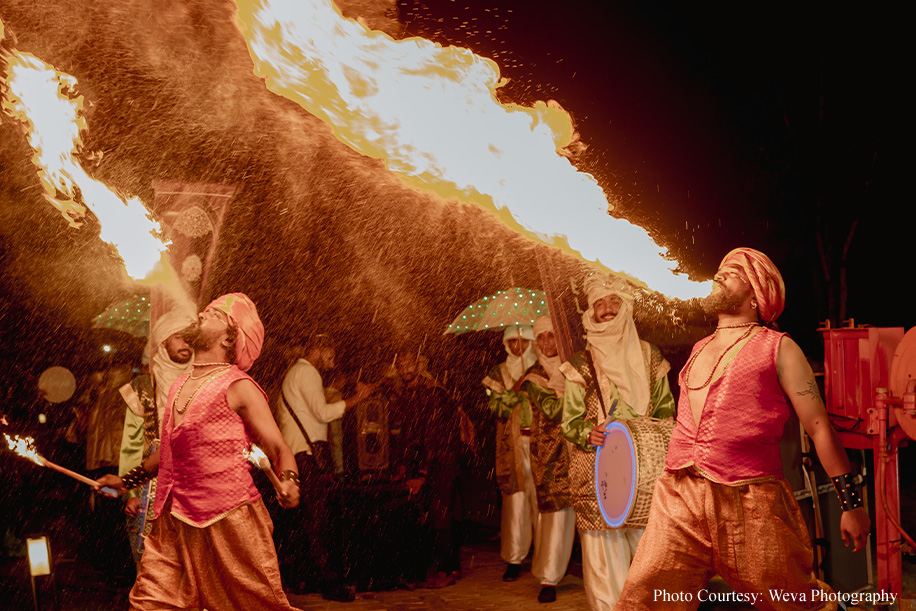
[223, 367]
[187, 404]
[750, 329]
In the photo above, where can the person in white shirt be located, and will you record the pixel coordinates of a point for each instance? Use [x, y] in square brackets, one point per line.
[310, 556]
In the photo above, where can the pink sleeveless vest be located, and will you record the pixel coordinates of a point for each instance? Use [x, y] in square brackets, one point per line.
[737, 439]
[203, 467]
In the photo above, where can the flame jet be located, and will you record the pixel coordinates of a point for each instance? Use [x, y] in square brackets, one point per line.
[45, 102]
[431, 113]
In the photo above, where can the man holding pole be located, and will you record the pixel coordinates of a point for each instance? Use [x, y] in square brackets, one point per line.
[617, 376]
[146, 397]
[544, 386]
[211, 545]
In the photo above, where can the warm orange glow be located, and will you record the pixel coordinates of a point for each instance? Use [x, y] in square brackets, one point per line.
[432, 114]
[24, 447]
[46, 103]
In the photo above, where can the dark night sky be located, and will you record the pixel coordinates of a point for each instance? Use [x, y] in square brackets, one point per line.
[726, 124]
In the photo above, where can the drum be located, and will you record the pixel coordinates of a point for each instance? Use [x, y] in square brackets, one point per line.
[626, 468]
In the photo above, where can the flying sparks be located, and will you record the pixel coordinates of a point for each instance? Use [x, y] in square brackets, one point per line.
[431, 113]
[45, 102]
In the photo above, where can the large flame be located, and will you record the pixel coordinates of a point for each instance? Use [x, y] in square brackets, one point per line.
[25, 447]
[432, 114]
[46, 103]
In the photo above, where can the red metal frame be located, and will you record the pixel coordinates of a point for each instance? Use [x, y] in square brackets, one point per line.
[857, 365]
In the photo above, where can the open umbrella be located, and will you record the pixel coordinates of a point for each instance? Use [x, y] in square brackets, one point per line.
[515, 306]
[130, 316]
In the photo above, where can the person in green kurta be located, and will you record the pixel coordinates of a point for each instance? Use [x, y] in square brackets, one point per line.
[513, 458]
[544, 386]
[146, 396]
[618, 376]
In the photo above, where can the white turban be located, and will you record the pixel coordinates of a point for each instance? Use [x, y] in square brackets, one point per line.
[518, 365]
[551, 364]
[163, 369]
[615, 344]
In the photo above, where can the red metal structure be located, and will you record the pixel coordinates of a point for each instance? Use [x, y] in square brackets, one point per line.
[868, 388]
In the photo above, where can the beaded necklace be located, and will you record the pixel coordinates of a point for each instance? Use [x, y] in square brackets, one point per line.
[187, 404]
[221, 367]
[750, 329]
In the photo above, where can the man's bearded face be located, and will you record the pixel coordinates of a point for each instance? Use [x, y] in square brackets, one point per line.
[210, 327]
[730, 290]
[178, 349]
[547, 344]
[607, 308]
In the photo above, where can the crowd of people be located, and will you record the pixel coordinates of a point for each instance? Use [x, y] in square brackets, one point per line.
[202, 536]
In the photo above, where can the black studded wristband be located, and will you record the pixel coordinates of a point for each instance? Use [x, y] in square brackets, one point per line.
[848, 491]
[136, 477]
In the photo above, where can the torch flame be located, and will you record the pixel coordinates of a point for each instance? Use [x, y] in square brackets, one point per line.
[432, 114]
[255, 455]
[25, 447]
[45, 102]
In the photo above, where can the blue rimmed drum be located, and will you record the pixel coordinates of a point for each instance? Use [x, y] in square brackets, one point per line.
[626, 468]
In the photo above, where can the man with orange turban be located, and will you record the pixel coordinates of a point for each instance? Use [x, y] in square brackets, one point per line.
[722, 505]
[211, 546]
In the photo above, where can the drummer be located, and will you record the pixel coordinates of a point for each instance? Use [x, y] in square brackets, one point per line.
[633, 382]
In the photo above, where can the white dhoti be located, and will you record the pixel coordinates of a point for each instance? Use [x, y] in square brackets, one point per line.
[606, 558]
[556, 532]
[520, 514]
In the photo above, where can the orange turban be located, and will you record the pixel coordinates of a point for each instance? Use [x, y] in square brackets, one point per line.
[244, 316]
[765, 279]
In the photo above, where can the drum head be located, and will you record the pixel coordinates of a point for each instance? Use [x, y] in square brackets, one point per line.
[57, 384]
[615, 475]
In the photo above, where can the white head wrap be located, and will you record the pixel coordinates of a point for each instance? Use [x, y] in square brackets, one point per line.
[551, 364]
[163, 369]
[518, 365]
[615, 344]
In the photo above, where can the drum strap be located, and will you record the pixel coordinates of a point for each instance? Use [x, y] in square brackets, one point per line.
[591, 367]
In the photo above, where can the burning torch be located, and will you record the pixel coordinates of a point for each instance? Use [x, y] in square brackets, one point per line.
[25, 447]
[258, 458]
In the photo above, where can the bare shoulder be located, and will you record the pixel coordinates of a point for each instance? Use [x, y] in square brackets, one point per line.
[790, 354]
[794, 371]
[244, 392]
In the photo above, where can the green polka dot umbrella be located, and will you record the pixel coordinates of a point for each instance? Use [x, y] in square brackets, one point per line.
[129, 315]
[515, 306]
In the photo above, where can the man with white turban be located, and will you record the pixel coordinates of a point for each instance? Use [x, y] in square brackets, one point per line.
[618, 376]
[544, 386]
[722, 506]
[513, 454]
[146, 397]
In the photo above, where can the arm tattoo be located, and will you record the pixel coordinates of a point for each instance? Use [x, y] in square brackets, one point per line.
[811, 390]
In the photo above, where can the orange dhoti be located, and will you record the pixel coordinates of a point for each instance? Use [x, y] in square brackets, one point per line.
[230, 564]
[752, 535]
